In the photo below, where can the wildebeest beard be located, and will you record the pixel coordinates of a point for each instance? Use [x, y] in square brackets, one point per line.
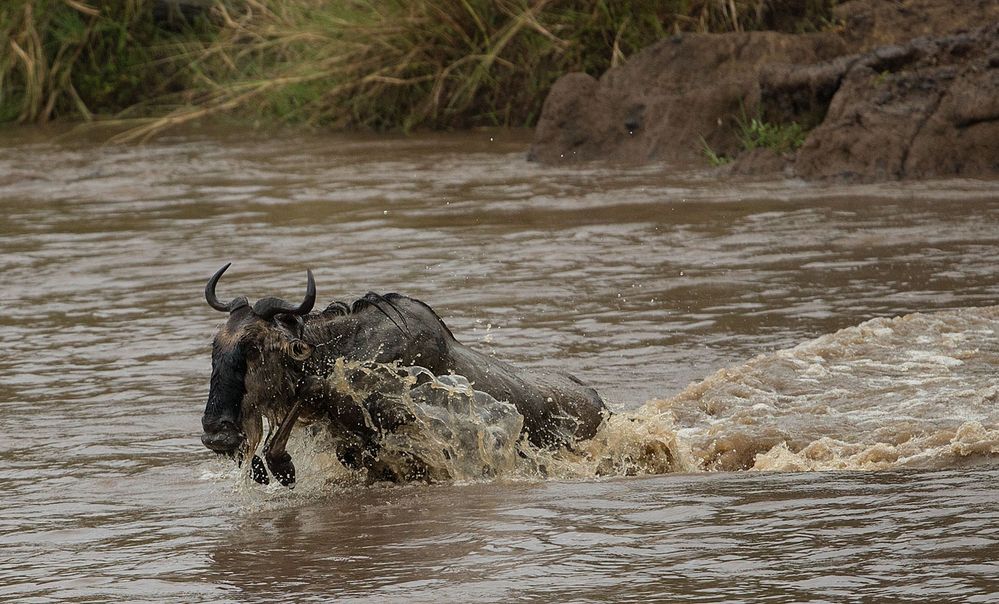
[273, 361]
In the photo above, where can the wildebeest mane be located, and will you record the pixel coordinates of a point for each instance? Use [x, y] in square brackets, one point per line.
[379, 301]
[320, 330]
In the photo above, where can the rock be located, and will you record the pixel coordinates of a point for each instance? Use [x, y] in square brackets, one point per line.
[880, 104]
[761, 161]
[870, 24]
[928, 108]
[669, 99]
[961, 137]
[572, 112]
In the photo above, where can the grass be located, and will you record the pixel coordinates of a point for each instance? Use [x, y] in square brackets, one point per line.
[370, 64]
[68, 58]
[754, 133]
[714, 158]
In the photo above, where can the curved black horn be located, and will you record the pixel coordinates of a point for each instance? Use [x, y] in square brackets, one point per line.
[214, 301]
[267, 308]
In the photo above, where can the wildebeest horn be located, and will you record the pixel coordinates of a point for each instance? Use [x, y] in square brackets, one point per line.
[268, 307]
[214, 301]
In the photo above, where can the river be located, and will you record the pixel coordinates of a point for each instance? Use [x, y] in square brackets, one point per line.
[805, 376]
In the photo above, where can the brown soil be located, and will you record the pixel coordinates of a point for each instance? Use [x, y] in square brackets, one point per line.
[881, 103]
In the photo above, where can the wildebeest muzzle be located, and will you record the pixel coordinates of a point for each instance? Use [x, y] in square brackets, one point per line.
[221, 436]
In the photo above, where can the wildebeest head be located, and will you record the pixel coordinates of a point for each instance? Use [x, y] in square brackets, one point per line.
[257, 360]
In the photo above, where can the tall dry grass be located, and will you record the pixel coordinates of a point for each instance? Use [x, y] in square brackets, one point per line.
[373, 64]
[80, 58]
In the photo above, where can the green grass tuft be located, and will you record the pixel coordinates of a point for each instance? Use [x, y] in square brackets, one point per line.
[755, 133]
[714, 158]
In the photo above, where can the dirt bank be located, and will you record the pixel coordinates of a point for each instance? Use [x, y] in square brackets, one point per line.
[900, 90]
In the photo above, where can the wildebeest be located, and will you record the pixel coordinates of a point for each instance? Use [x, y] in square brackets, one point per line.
[274, 359]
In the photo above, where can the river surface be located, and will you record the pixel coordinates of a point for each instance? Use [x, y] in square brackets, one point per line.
[805, 376]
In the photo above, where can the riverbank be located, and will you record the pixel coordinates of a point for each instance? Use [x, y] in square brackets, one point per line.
[901, 90]
[146, 65]
[860, 90]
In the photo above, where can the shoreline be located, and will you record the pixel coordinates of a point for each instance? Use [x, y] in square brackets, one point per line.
[854, 105]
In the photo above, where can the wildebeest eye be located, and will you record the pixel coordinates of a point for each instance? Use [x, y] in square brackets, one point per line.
[299, 350]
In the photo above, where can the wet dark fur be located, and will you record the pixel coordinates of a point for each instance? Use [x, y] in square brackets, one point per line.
[259, 368]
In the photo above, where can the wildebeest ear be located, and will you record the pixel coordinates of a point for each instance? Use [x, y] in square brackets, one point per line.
[294, 323]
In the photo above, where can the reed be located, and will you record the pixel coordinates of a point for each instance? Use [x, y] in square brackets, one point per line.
[372, 64]
[79, 59]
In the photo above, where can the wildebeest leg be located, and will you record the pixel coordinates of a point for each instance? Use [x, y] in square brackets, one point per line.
[258, 471]
[275, 452]
[387, 413]
[253, 429]
[278, 459]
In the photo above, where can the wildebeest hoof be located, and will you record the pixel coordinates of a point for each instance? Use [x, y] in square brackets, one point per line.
[258, 471]
[286, 476]
[282, 469]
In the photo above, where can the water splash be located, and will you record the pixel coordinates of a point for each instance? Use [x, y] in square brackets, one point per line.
[914, 391]
[458, 433]
[918, 391]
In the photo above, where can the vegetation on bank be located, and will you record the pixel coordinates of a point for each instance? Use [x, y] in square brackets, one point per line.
[779, 138]
[376, 64]
[756, 133]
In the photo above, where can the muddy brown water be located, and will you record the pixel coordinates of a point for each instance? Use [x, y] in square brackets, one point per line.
[818, 363]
